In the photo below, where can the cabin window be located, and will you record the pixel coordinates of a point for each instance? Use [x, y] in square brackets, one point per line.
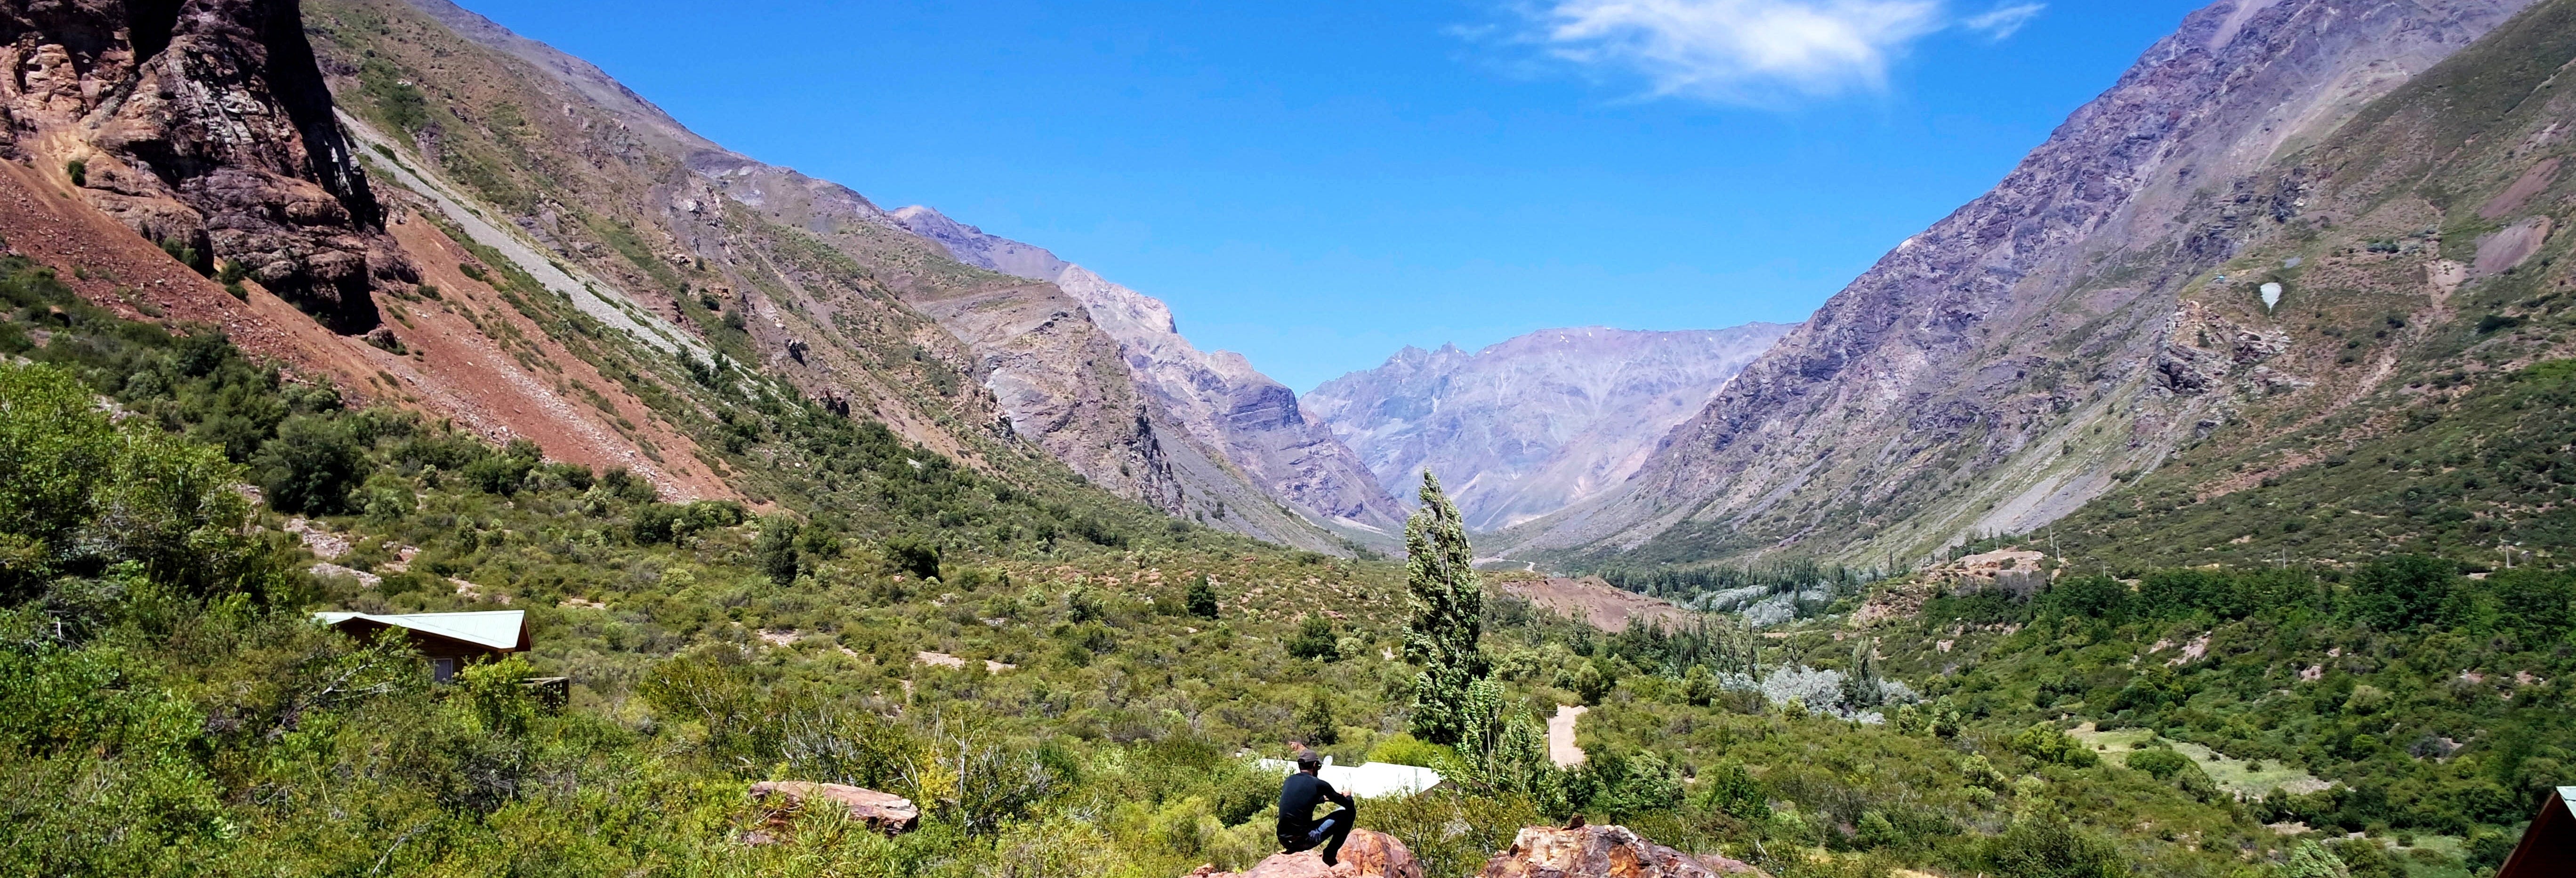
[442, 669]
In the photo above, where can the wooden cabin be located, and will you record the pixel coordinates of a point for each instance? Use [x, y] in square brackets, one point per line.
[448, 640]
[2548, 848]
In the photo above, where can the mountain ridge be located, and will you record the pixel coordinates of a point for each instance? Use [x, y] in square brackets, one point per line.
[1998, 370]
[1524, 426]
[1257, 422]
[1058, 380]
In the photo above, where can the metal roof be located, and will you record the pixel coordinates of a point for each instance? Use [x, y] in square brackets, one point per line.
[498, 629]
[1367, 780]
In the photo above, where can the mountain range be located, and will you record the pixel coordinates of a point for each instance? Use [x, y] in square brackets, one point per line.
[2206, 256]
[2100, 317]
[2201, 497]
[1528, 425]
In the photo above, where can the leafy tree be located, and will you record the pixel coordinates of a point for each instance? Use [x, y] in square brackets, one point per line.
[2093, 597]
[312, 466]
[917, 557]
[1448, 606]
[1316, 724]
[1080, 605]
[1862, 689]
[1699, 687]
[776, 548]
[2403, 591]
[1314, 640]
[1202, 599]
[1590, 683]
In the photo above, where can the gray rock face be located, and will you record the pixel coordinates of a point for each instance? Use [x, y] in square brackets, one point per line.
[1529, 425]
[1255, 424]
[1993, 372]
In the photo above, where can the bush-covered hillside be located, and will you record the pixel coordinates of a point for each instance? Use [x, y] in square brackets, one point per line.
[174, 710]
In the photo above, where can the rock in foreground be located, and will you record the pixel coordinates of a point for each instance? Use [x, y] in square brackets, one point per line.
[1600, 852]
[1366, 855]
[884, 812]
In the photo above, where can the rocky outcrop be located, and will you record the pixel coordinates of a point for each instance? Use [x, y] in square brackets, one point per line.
[1526, 426]
[1995, 371]
[1366, 854]
[204, 124]
[781, 800]
[1256, 425]
[1600, 852]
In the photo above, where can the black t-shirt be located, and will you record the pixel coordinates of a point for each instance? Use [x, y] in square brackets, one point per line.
[1297, 800]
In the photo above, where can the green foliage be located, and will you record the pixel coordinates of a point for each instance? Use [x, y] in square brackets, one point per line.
[777, 548]
[312, 465]
[2047, 846]
[2309, 860]
[1448, 607]
[78, 170]
[1316, 724]
[189, 256]
[1732, 790]
[1590, 683]
[2403, 591]
[913, 556]
[1314, 640]
[1404, 749]
[1201, 599]
[2045, 743]
[79, 493]
[2163, 764]
[398, 102]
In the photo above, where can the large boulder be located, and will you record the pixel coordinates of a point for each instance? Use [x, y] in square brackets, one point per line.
[1365, 855]
[1600, 852]
[884, 812]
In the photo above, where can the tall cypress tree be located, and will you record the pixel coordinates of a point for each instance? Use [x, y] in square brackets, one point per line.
[1448, 609]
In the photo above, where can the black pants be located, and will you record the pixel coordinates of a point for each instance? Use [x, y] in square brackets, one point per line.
[1329, 832]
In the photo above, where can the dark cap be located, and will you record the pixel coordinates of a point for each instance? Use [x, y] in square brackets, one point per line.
[1308, 761]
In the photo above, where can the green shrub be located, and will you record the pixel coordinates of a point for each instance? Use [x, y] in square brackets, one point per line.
[2161, 763]
[1314, 640]
[2045, 743]
[312, 466]
[2047, 846]
[1732, 790]
[919, 558]
[776, 548]
[1201, 598]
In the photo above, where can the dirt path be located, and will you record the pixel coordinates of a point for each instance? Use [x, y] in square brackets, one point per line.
[1560, 736]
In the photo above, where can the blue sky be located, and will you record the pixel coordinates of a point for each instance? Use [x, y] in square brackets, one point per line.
[1317, 184]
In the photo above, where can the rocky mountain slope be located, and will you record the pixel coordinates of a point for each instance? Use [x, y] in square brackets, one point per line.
[1257, 424]
[2070, 330]
[478, 226]
[204, 125]
[1526, 426]
[755, 264]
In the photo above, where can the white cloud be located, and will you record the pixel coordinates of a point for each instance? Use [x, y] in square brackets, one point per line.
[1751, 51]
[2001, 21]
